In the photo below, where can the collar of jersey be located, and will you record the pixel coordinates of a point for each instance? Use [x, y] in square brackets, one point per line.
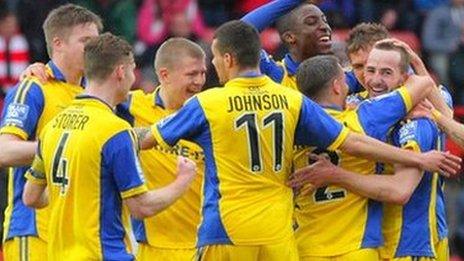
[290, 64]
[332, 107]
[95, 99]
[248, 81]
[157, 98]
[58, 75]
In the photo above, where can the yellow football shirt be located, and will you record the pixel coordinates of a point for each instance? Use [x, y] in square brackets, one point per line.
[88, 158]
[413, 229]
[175, 227]
[28, 108]
[333, 221]
[247, 130]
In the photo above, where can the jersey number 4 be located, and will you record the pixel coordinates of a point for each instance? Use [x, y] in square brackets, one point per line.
[60, 165]
[249, 122]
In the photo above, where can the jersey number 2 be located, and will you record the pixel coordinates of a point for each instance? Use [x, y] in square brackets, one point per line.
[60, 165]
[249, 122]
[323, 194]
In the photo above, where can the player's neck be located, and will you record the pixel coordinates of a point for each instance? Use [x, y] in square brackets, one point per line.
[169, 102]
[244, 72]
[103, 91]
[331, 101]
[71, 75]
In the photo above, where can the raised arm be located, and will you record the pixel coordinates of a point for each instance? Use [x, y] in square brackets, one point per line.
[264, 16]
[451, 127]
[152, 202]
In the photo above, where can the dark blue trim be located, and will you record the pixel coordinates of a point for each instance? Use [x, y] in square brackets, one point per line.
[140, 233]
[90, 97]
[158, 99]
[211, 230]
[112, 231]
[122, 110]
[332, 107]
[290, 64]
[373, 231]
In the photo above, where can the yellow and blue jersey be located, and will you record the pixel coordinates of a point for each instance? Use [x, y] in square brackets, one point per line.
[175, 227]
[283, 72]
[319, 230]
[88, 159]
[247, 130]
[28, 108]
[412, 229]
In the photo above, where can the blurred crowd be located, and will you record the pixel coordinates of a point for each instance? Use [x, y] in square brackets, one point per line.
[432, 27]
[435, 28]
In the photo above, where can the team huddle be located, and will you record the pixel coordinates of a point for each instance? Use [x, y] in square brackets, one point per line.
[281, 163]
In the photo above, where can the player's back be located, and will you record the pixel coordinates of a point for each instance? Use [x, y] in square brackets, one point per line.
[85, 204]
[247, 130]
[252, 123]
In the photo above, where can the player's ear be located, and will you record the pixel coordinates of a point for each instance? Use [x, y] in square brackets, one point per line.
[337, 86]
[228, 60]
[163, 74]
[289, 38]
[56, 43]
[119, 72]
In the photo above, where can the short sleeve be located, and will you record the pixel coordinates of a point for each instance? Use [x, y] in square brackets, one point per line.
[316, 128]
[120, 158]
[271, 68]
[418, 135]
[22, 110]
[188, 123]
[378, 115]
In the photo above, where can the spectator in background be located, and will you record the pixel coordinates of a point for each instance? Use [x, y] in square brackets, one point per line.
[118, 16]
[14, 52]
[31, 15]
[456, 73]
[217, 12]
[340, 13]
[441, 36]
[159, 20]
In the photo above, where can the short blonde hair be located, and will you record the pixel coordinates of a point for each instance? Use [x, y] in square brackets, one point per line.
[60, 20]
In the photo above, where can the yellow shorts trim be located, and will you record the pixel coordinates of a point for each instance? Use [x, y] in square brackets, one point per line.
[284, 251]
[365, 254]
[146, 252]
[28, 248]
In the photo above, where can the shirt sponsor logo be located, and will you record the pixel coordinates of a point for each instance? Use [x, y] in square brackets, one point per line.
[16, 114]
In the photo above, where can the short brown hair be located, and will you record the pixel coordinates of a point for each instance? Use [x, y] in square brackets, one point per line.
[241, 40]
[364, 36]
[103, 53]
[405, 59]
[316, 74]
[170, 51]
[63, 18]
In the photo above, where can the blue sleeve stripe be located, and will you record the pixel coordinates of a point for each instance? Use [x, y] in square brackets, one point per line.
[20, 92]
